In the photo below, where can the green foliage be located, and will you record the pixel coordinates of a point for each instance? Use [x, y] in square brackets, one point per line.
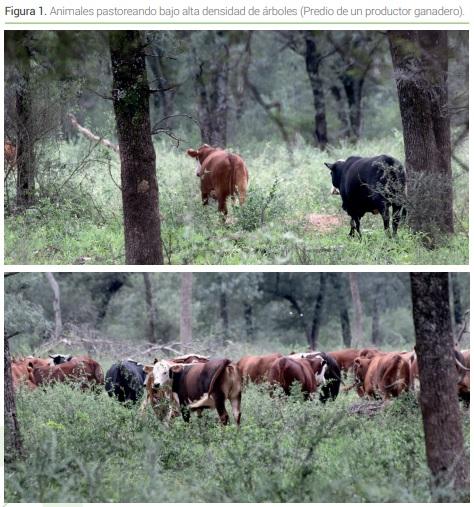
[273, 227]
[85, 447]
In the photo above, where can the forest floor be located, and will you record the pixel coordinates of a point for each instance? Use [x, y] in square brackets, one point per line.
[87, 447]
[289, 216]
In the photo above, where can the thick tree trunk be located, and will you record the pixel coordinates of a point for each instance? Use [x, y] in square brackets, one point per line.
[25, 159]
[353, 89]
[457, 303]
[438, 385]
[318, 310]
[313, 60]
[137, 155]
[357, 305]
[13, 443]
[186, 320]
[420, 60]
[151, 310]
[58, 321]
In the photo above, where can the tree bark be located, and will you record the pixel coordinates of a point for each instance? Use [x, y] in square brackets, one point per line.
[457, 304]
[318, 310]
[376, 338]
[248, 316]
[58, 321]
[420, 61]
[224, 312]
[357, 305]
[313, 59]
[438, 385]
[186, 320]
[151, 310]
[14, 444]
[137, 155]
[343, 310]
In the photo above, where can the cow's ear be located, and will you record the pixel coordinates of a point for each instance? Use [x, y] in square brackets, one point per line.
[357, 361]
[148, 368]
[329, 165]
[30, 365]
[192, 153]
[68, 358]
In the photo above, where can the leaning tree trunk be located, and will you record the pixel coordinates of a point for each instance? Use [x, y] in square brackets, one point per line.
[13, 441]
[186, 320]
[313, 60]
[420, 60]
[438, 385]
[58, 321]
[151, 310]
[137, 155]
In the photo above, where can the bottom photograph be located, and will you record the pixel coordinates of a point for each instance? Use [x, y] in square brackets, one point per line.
[236, 387]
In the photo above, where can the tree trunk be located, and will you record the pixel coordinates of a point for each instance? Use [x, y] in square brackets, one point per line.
[457, 304]
[186, 320]
[212, 80]
[137, 155]
[357, 305]
[376, 338]
[25, 160]
[224, 312]
[58, 321]
[353, 89]
[248, 315]
[341, 112]
[164, 98]
[13, 444]
[318, 310]
[438, 385]
[313, 60]
[420, 60]
[151, 310]
[343, 309]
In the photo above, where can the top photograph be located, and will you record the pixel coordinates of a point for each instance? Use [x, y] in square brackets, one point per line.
[296, 147]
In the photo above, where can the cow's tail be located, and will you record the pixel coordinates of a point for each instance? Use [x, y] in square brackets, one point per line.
[238, 177]
[203, 402]
[400, 370]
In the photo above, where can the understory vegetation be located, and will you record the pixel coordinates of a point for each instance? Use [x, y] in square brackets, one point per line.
[289, 216]
[86, 447]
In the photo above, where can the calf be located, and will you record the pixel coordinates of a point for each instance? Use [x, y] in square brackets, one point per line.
[124, 380]
[222, 174]
[202, 385]
[370, 185]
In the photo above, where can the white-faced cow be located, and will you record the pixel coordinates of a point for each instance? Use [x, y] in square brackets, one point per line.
[370, 185]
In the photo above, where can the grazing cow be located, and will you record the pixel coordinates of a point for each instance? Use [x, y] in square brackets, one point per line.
[370, 185]
[124, 380]
[256, 368]
[22, 374]
[87, 371]
[384, 374]
[309, 372]
[222, 174]
[202, 385]
[331, 382]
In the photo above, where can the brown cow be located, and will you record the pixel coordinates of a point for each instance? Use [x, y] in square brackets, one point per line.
[256, 368]
[22, 374]
[345, 358]
[10, 153]
[202, 385]
[387, 374]
[309, 372]
[222, 174]
[86, 370]
[464, 384]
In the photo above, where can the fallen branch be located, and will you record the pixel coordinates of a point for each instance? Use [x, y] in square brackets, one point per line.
[87, 133]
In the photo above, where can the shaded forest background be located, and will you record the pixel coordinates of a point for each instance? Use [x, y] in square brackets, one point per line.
[231, 312]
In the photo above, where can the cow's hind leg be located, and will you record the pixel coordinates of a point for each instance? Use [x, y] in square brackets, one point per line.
[385, 212]
[396, 217]
[235, 403]
[222, 204]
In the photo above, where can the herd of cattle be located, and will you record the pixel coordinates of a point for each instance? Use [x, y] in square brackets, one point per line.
[194, 382]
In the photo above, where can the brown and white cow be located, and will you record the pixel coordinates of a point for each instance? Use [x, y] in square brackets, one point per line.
[256, 368]
[222, 174]
[385, 374]
[87, 371]
[309, 372]
[202, 385]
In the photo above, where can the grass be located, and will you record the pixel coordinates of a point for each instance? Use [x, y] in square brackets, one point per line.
[82, 222]
[86, 447]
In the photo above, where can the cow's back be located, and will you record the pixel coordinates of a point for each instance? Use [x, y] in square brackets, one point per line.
[256, 367]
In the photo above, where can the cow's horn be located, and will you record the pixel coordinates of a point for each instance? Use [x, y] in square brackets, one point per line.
[461, 365]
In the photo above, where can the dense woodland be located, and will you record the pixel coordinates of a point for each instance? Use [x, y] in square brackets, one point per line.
[287, 101]
[242, 311]
[65, 443]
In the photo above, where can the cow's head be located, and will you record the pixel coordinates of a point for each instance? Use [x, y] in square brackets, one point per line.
[336, 169]
[59, 359]
[161, 373]
[200, 155]
[361, 365]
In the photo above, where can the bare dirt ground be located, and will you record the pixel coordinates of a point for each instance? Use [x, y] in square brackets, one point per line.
[324, 223]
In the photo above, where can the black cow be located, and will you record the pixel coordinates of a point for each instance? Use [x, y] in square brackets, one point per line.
[124, 380]
[370, 185]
